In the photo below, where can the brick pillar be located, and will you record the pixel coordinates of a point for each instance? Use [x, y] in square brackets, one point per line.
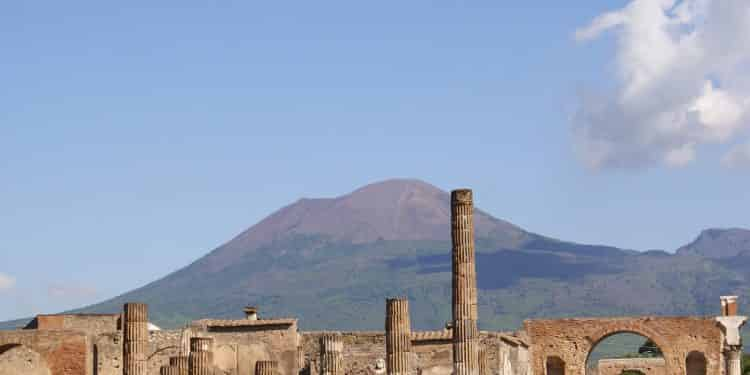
[728, 305]
[397, 336]
[135, 339]
[483, 363]
[331, 355]
[181, 363]
[266, 368]
[169, 370]
[465, 332]
[201, 357]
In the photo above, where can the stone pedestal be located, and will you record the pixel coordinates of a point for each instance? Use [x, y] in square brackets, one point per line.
[135, 339]
[397, 336]
[464, 282]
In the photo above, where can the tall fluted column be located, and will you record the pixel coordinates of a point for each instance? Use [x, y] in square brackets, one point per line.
[331, 355]
[169, 370]
[201, 356]
[135, 339]
[397, 336]
[266, 368]
[465, 332]
[181, 363]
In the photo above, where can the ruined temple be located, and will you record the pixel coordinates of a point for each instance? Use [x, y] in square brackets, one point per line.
[125, 343]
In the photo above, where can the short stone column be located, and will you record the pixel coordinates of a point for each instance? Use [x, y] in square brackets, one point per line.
[734, 359]
[135, 339]
[201, 358]
[483, 363]
[169, 370]
[397, 336]
[181, 362]
[266, 368]
[464, 283]
[331, 355]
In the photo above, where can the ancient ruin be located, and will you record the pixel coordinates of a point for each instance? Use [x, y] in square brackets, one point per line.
[397, 336]
[135, 339]
[124, 343]
[465, 332]
[331, 355]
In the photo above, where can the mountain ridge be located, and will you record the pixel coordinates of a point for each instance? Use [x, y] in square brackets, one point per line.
[332, 261]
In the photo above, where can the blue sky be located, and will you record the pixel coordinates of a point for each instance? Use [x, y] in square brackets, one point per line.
[135, 138]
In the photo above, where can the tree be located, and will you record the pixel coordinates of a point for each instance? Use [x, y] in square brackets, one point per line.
[649, 349]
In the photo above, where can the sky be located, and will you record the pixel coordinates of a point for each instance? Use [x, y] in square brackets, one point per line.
[135, 137]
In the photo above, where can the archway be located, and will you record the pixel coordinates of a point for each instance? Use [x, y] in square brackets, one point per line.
[18, 359]
[555, 366]
[625, 353]
[695, 363]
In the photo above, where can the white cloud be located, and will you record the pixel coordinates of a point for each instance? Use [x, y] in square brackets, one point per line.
[6, 282]
[682, 82]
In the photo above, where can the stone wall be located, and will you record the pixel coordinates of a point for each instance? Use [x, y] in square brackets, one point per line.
[573, 339]
[19, 359]
[90, 324]
[647, 366]
[364, 352]
[64, 352]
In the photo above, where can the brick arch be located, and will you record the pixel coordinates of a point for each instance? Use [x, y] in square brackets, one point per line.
[573, 339]
[643, 330]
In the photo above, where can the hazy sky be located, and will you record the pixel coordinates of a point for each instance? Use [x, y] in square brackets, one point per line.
[135, 138]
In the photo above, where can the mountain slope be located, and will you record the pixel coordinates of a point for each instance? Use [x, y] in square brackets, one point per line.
[718, 243]
[331, 262]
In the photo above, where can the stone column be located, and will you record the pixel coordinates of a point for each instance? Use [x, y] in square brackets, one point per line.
[169, 370]
[734, 357]
[181, 363]
[201, 358]
[731, 324]
[465, 332]
[397, 336]
[483, 369]
[331, 355]
[266, 368]
[135, 339]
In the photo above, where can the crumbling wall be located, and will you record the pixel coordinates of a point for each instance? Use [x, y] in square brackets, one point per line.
[647, 366]
[364, 352]
[18, 359]
[64, 352]
[90, 324]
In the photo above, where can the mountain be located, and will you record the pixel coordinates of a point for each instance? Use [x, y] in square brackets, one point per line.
[718, 243]
[332, 262]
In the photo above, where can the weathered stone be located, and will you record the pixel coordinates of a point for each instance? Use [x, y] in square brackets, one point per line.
[266, 368]
[331, 355]
[397, 336]
[201, 358]
[464, 282]
[135, 339]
